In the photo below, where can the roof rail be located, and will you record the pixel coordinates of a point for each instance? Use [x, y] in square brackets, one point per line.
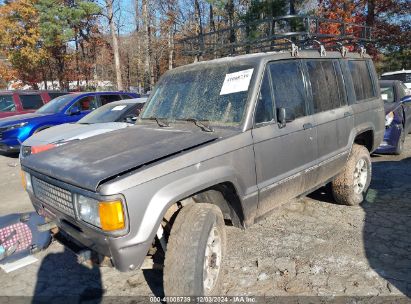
[292, 32]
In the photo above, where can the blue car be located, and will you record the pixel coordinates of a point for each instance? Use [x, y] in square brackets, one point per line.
[397, 108]
[64, 109]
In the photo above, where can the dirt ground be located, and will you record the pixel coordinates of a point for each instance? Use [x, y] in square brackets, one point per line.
[311, 247]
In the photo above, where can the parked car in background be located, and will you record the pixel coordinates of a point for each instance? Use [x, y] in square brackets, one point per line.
[397, 106]
[113, 116]
[403, 75]
[21, 102]
[64, 109]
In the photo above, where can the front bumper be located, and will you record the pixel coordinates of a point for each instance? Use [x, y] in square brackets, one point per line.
[7, 148]
[9, 144]
[391, 137]
[124, 252]
[123, 258]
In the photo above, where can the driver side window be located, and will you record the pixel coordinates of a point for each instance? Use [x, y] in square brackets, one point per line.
[86, 103]
[288, 88]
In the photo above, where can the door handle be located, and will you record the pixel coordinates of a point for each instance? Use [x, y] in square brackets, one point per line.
[307, 126]
[347, 114]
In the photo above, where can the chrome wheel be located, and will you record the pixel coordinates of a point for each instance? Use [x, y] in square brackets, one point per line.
[212, 260]
[360, 176]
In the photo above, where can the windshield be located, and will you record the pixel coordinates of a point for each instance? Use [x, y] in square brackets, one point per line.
[387, 94]
[217, 94]
[404, 77]
[56, 105]
[107, 113]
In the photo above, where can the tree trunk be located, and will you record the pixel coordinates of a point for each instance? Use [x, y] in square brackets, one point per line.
[116, 51]
[170, 48]
[370, 13]
[146, 46]
[292, 7]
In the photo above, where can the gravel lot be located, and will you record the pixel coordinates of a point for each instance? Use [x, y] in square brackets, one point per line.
[309, 247]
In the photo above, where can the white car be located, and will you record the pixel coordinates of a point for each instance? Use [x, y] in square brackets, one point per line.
[403, 75]
[112, 116]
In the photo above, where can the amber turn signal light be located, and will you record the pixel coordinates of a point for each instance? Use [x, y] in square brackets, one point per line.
[111, 215]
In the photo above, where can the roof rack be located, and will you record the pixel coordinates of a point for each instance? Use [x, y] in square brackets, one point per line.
[292, 32]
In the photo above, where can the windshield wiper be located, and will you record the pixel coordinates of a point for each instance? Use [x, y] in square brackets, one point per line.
[160, 121]
[199, 123]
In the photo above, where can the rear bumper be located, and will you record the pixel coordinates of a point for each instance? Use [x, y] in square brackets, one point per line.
[124, 258]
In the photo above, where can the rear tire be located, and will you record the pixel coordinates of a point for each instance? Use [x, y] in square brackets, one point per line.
[195, 250]
[350, 186]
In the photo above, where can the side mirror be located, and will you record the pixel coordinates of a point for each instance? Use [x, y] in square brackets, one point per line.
[406, 99]
[282, 117]
[130, 118]
[74, 111]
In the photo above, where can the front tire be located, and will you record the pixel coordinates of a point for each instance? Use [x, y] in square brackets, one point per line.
[195, 250]
[350, 186]
[400, 144]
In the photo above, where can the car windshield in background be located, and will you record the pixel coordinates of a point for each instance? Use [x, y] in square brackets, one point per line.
[387, 94]
[56, 105]
[107, 113]
[216, 94]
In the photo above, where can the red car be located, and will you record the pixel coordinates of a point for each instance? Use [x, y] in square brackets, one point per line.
[21, 102]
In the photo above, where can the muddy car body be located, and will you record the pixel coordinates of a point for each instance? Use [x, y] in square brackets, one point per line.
[270, 137]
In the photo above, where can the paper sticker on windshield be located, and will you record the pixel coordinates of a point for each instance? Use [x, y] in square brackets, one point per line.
[118, 108]
[384, 96]
[236, 82]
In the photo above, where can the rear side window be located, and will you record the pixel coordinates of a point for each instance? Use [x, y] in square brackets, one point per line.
[288, 87]
[7, 103]
[56, 94]
[264, 112]
[31, 102]
[126, 96]
[325, 87]
[361, 79]
[105, 99]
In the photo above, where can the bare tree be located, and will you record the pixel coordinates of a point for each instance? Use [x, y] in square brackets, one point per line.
[114, 38]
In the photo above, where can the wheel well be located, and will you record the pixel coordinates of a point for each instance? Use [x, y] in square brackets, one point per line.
[365, 139]
[222, 195]
[42, 128]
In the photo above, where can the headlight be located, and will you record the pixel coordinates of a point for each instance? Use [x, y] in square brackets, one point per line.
[26, 181]
[389, 118]
[16, 126]
[107, 215]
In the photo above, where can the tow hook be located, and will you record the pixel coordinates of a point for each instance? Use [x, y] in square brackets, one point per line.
[46, 226]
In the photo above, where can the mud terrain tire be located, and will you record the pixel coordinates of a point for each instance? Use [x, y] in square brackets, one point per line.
[350, 186]
[187, 247]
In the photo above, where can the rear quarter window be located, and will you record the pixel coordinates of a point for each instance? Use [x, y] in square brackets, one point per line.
[31, 102]
[56, 94]
[361, 77]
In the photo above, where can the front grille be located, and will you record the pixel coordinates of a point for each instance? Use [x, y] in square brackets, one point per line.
[53, 196]
[1, 132]
[25, 151]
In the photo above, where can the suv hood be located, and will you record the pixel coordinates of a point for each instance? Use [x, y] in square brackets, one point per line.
[89, 162]
[8, 121]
